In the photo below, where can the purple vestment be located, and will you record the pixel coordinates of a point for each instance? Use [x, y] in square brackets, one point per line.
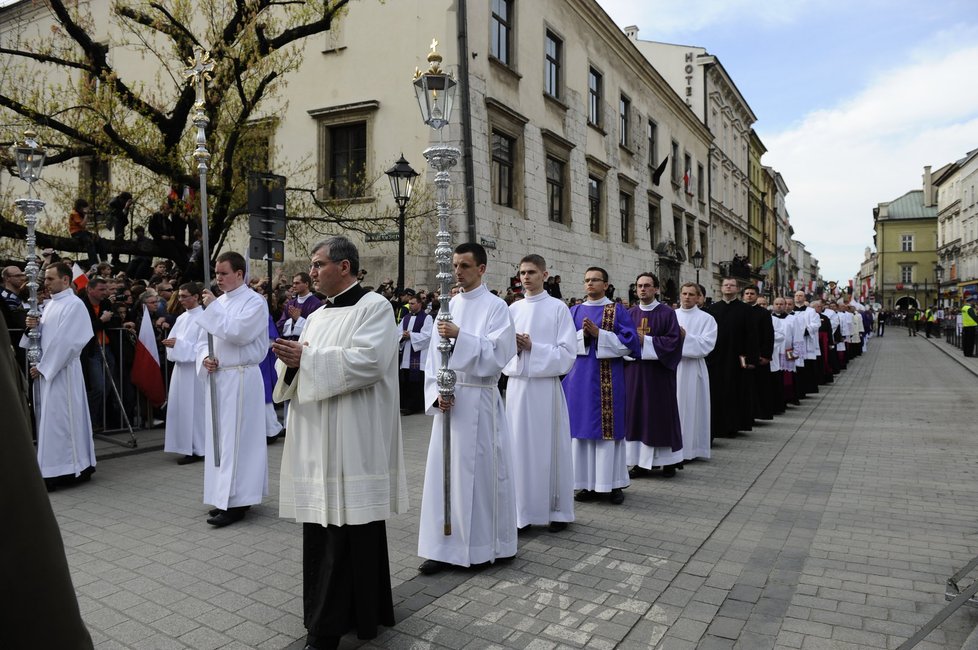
[267, 365]
[311, 304]
[595, 388]
[651, 409]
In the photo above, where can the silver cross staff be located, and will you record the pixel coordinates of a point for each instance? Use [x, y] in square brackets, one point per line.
[199, 72]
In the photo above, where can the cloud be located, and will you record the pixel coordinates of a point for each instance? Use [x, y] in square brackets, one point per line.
[842, 161]
[667, 18]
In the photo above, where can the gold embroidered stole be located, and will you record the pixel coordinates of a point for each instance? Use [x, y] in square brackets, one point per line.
[604, 375]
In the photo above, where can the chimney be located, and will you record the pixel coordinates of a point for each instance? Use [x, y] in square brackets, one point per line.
[632, 32]
[928, 188]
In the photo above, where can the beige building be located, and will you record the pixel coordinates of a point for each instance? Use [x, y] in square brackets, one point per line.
[704, 85]
[957, 228]
[565, 124]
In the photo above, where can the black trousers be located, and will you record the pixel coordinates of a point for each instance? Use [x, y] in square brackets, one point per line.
[346, 581]
[968, 340]
[412, 392]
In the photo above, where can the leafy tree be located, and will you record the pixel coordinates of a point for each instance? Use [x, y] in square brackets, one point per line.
[60, 77]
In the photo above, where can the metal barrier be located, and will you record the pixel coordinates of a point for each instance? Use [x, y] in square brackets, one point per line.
[956, 597]
[122, 408]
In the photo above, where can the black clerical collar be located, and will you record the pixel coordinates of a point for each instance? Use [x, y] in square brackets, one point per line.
[348, 297]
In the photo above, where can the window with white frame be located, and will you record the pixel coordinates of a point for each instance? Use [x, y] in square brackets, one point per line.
[906, 243]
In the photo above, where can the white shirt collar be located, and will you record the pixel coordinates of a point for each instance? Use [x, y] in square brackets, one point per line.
[649, 307]
[332, 299]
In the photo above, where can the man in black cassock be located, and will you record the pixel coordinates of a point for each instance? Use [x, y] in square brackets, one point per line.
[731, 384]
[41, 610]
[760, 319]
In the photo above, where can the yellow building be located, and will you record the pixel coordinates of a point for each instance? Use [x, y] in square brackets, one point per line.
[756, 204]
[906, 251]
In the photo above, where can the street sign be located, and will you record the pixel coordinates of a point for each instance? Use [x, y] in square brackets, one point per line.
[266, 206]
[266, 227]
[267, 250]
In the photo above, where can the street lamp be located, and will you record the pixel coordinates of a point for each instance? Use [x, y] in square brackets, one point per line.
[698, 264]
[30, 155]
[436, 96]
[916, 303]
[402, 177]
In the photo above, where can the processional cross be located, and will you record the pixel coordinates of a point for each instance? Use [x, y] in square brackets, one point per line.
[201, 67]
[644, 329]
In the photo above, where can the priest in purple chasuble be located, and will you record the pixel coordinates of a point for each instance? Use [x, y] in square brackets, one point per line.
[652, 426]
[595, 389]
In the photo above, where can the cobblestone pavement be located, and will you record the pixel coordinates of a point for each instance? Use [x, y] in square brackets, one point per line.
[834, 526]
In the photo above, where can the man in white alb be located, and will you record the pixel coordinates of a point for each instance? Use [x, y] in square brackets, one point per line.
[692, 377]
[483, 508]
[65, 449]
[238, 320]
[186, 418]
[539, 425]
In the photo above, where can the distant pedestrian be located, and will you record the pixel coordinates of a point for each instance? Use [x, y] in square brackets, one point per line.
[969, 323]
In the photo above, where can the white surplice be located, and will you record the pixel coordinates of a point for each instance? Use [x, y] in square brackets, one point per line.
[780, 336]
[239, 322]
[693, 381]
[483, 500]
[417, 342]
[343, 461]
[185, 415]
[536, 409]
[64, 426]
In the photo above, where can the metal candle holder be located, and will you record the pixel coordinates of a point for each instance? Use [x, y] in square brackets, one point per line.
[198, 73]
[30, 161]
[436, 93]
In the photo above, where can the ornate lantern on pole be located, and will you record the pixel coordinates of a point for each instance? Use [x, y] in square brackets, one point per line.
[402, 177]
[30, 155]
[698, 264]
[435, 90]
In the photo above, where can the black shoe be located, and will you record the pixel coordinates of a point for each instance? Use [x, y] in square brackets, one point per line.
[323, 643]
[617, 497]
[186, 460]
[431, 567]
[271, 440]
[557, 526]
[51, 484]
[669, 471]
[407, 412]
[638, 472]
[227, 517]
[586, 495]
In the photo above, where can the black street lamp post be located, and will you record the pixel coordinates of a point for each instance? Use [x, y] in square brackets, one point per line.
[402, 177]
[698, 264]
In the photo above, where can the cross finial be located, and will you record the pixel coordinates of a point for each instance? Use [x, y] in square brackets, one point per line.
[434, 44]
[199, 71]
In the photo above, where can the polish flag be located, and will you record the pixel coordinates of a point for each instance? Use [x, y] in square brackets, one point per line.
[146, 373]
[78, 277]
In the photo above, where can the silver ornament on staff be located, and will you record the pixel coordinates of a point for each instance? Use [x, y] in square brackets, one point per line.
[198, 73]
[30, 155]
[435, 90]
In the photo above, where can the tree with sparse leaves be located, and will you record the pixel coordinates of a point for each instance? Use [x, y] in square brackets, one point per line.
[71, 86]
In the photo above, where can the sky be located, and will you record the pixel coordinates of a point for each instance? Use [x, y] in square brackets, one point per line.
[852, 99]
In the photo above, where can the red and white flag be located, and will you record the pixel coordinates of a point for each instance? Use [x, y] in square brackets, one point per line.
[78, 277]
[146, 373]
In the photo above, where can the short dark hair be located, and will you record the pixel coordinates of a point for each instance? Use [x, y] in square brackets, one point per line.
[648, 274]
[97, 281]
[235, 259]
[193, 288]
[302, 275]
[478, 251]
[604, 274]
[80, 204]
[340, 248]
[535, 260]
[63, 270]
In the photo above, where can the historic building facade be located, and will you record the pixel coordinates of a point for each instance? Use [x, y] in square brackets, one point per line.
[906, 249]
[957, 228]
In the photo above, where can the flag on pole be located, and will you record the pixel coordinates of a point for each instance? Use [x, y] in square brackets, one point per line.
[78, 277]
[146, 373]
